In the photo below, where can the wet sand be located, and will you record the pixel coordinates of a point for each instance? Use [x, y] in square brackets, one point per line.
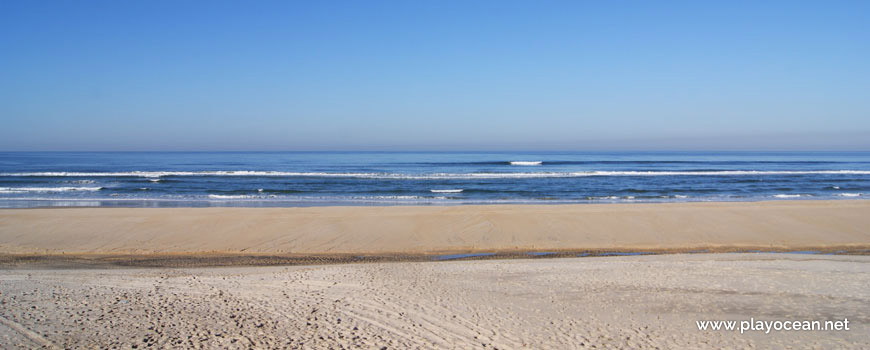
[343, 232]
[626, 302]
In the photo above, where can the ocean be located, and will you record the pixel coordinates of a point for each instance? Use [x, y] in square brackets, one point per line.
[202, 179]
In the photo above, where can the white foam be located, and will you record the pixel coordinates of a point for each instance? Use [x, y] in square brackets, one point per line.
[849, 194]
[836, 187]
[387, 197]
[680, 196]
[47, 189]
[154, 180]
[509, 175]
[790, 195]
[447, 191]
[221, 196]
[526, 163]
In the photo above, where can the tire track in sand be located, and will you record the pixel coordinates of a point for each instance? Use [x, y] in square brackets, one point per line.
[33, 336]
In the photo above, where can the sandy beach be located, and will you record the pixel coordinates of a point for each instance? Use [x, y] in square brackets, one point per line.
[724, 226]
[63, 283]
[637, 302]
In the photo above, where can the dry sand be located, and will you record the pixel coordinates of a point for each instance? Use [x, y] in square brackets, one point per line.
[426, 230]
[638, 302]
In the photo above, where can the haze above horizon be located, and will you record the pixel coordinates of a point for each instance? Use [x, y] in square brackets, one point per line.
[391, 76]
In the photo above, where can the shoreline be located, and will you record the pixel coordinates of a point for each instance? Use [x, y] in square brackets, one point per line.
[279, 204]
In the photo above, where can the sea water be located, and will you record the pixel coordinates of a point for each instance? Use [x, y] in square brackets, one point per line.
[161, 179]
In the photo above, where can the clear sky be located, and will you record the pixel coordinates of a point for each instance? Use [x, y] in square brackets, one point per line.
[434, 75]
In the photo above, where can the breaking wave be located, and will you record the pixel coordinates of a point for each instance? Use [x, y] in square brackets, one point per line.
[791, 195]
[849, 194]
[46, 189]
[481, 175]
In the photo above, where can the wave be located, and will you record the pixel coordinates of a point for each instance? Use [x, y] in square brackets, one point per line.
[272, 200]
[222, 196]
[610, 198]
[791, 195]
[46, 189]
[154, 175]
[526, 163]
[446, 191]
[636, 162]
[391, 197]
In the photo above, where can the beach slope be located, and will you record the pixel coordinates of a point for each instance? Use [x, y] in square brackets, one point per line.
[786, 225]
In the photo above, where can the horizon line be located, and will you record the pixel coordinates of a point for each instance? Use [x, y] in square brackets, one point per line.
[454, 151]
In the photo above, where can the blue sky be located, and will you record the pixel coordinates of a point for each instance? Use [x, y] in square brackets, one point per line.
[434, 75]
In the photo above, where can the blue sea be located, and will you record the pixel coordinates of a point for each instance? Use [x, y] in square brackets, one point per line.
[200, 179]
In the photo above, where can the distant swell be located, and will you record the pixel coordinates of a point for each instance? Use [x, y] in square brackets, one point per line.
[480, 175]
[636, 162]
